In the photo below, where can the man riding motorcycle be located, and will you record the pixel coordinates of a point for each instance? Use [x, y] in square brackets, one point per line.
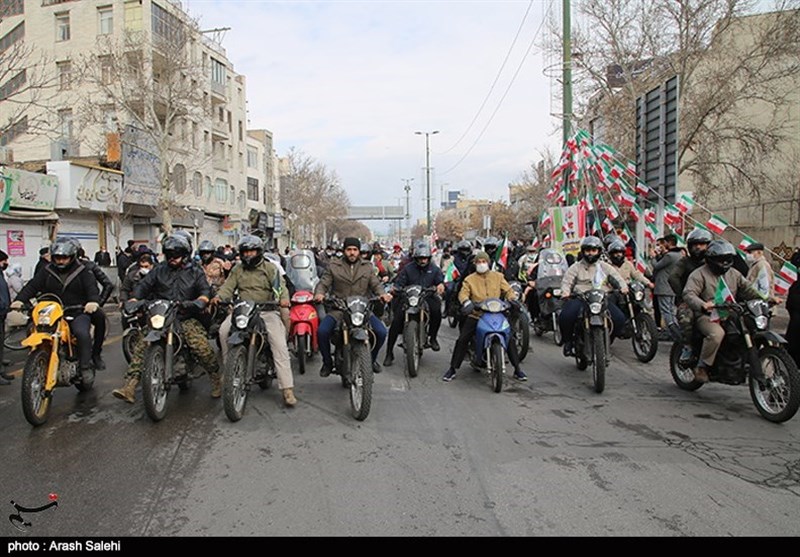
[258, 280]
[528, 265]
[213, 266]
[422, 272]
[175, 278]
[616, 256]
[477, 287]
[66, 277]
[701, 294]
[349, 276]
[99, 316]
[581, 277]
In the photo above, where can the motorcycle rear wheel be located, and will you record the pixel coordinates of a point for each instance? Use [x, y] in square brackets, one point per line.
[154, 382]
[682, 376]
[361, 379]
[645, 341]
[129, 340]
[777, 399]
[234, 383]
[35, 402]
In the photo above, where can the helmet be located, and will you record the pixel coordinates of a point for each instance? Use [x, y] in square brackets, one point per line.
[609, 239]
[464, 247]
[206, 245]
[490, 244]
[176, 245]
[695, 238]
[64, 247]
[185, 234]
[249, 243]
[616, 252]
[422, 250]
[591, 242]
[531, 248]
[365, 248]
[719, 256]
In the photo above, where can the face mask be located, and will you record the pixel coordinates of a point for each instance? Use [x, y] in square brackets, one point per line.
[750, 259]
[4, 267]
[482, 268]
[144, 271]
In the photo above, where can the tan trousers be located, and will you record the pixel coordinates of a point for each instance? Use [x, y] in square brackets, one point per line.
[713, 333]
[276, 335]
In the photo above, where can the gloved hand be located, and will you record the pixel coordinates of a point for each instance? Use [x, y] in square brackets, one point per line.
[467, 307]
[16, 305]
[91, 307]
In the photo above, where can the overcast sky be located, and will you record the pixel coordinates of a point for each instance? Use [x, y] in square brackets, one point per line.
[349, 82]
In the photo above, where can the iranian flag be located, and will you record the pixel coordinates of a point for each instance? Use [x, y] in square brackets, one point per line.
[722, 295]
[781, 286]
[536, 243]
[641, 188]
[626, 199]
[624, 235]
[649, 215]
[788, 272]
[640, 264]
[607, 225]
[650, 231]
[716, 224]
[630, 168]
[671, 214]
[451, 274]
[545, 219]
[685, 203]
[636, 213]
[746, 241]
[501, 255]
[612, 210]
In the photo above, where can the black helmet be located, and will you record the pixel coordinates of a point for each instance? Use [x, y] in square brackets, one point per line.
[464, 247]
[697, 237]
[422, 250]
[719, 256]
[591, 242]
[490, 244]
[185, 234]
[176, 245]
[610, 239]
[64, 247]
[249, 243]
[616, 252]
[206, 246]
[365, 249]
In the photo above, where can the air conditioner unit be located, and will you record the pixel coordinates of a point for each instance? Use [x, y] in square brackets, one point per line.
[6, 155]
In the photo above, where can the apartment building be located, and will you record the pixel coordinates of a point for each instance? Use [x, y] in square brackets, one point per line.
[117, 176]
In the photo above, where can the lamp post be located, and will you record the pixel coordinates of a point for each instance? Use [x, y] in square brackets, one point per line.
[428, 172]
[407, 189]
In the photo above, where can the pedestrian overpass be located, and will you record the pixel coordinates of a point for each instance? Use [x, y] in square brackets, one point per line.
[376, 212]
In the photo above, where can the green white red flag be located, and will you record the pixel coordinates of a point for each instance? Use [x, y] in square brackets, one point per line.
[685, 202]
[746, 241]
[716, 224]
[722, 295]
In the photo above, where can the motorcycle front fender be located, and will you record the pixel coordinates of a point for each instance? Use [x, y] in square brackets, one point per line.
[597, 321]
[359, 334]
[35, 339]
[236, 338]
[154, 335]
[762, 338]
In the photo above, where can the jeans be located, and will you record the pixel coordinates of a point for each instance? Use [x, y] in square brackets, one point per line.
[571, 310]
[325, 331]
[434, 305]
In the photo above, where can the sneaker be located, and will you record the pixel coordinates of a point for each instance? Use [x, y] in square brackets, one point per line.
[99, 364]
[325, 370]
[4, 381]
[568, 349]
[701, 375]
[376, 367]
[389, 359]
[519, 375]
[87, 374]
[449, 375]
[288, 397]
[435, 345]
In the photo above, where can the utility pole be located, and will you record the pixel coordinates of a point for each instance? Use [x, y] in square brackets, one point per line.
[428, 174]
[407, 189]
[566, 76]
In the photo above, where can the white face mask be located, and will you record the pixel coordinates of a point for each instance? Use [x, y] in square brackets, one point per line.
[482, 267]
[144, 271]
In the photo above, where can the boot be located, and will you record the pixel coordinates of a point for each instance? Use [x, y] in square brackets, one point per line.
[216, 385]
[288, 397]
[128, 391]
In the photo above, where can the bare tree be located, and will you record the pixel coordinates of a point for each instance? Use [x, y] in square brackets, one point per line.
[449, 226]
[312, 192]
[726, 63]
[353, 228]
[26, 85]
[533, 184]
[153, 83]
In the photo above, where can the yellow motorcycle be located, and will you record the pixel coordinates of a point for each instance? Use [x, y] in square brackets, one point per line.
[53, 358]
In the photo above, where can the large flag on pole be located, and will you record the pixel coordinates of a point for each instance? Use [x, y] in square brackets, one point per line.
[501, 255]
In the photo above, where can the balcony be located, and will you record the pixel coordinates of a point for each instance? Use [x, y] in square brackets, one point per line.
[218, 95]
[219, 131]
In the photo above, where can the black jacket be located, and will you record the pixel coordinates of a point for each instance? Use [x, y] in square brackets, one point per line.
[680, 274]
[426, 277]
[102, 278]
[76, 286]
[184, 284]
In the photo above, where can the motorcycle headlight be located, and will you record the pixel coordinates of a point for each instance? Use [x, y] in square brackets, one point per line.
[157, 321]
[595, 307]
[44, 319]
[638, 295]
[413, 301]
[241, 321]
[357, 319]
[761, 322]
[556, 292]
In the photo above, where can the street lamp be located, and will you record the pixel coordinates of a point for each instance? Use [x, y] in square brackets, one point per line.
[428, 171]
[407, 189]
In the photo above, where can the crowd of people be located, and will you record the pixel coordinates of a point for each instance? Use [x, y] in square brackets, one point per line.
[682, 282]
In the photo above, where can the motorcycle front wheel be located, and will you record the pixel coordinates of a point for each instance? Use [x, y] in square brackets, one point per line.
[645, 340]
[598, 359]
[302, 347]
[154, 382]
[129, 340]
[410, 340]
[234, 383]
[35, 401]
[778, 398]
[496, 362]
[361, 379]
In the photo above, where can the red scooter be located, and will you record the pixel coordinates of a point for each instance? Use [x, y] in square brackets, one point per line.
[303, 325]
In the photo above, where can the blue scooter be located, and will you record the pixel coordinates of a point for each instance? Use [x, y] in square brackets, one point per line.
[491, 340]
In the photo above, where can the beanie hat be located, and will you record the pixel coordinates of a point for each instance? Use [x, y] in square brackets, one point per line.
[351, 242]
[482, 255]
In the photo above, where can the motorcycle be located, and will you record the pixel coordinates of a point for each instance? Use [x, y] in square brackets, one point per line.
[750, 353]
[413, 302]
[549, 274]
[53, 358]
[640, 325]
[249, 360]
[592, 335]
[132, 324]
[167, 359]
[521, 323]
[303, 326]
[353, 340]
[492, 336]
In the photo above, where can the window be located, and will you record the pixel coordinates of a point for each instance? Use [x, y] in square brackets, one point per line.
[16, 34]
[197, 185]
[242, 201]
[209, 187]
[194, 135]
[14, 131]
[62, 27]
[252, 189]
[65, 123]
[165, 25]
[179, 178]
[133, 15]
[221, 190]
[64, 75]
[232, 196]
[218, 72]
[241, 131]
[106, 70]
[105, 16]
[11, 7]
[12, 85]
[252, 158]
